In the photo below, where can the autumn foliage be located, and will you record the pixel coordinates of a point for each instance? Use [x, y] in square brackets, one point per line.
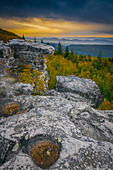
[33, 77]
[98, 69]
[106, 105]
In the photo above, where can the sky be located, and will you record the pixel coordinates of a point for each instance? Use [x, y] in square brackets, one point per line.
[58, 18]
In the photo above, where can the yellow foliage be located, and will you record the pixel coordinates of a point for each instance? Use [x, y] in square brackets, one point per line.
[99, 71]
[33, 77]
[58, 65]
[106, 105]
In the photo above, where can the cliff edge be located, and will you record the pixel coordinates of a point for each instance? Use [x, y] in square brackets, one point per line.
[60, 130]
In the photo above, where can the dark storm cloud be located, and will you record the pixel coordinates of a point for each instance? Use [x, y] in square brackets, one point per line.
[100, 11]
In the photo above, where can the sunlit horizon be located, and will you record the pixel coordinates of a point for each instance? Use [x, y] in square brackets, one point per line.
[41, 27]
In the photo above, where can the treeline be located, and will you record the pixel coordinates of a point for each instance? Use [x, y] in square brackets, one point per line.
[98, 69]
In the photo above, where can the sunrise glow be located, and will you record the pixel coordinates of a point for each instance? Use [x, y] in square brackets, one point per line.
[31, 27]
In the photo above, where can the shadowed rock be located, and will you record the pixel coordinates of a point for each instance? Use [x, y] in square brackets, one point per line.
[85, 133]
[75, 88]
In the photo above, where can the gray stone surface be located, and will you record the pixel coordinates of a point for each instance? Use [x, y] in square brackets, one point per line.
[86, 134]
[5, 51]
[23, 88]
[16, 51]
[65, 115]
[75, 88]
[1, 42]
[9, 90]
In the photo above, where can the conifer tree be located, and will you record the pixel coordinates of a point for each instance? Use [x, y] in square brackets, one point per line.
[72, 57]
[66, 53]
[23, 37]
[59, 49]
[100, 56]
[72, 53]
[35, 39]
[89, 57]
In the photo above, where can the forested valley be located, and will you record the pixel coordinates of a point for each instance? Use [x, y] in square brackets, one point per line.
[98, 69]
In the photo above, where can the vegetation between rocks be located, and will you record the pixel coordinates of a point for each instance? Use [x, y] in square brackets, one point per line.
[33, 76]
[98, 69]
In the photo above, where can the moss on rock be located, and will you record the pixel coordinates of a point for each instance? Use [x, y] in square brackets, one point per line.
[44, 153]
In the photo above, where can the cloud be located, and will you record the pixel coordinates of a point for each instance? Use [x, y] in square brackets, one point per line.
[95, 11]
[50, 27]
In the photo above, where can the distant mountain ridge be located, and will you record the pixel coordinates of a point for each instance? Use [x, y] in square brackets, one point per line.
[75, 40]
[6, 35]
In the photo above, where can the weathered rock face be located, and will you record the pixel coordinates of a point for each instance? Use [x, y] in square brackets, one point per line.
[19, 51]
[75, 88]
[84, 133]
[8, 90]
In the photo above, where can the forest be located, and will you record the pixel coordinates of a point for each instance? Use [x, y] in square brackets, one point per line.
[98, 69]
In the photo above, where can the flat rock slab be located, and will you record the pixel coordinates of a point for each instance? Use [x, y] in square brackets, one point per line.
[85, 134]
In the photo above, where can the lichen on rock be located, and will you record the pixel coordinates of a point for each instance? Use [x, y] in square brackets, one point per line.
[66, 115]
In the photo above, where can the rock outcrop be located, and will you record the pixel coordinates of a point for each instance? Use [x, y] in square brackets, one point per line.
[10, 90]
[60, 130]
[17, 53]
[84, 135]
[26, 52]
[75, 88]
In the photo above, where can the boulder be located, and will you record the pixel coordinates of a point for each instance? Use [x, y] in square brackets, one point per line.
[9, 90]
[23, 88]
[6, 90]
[75, 88]
[1, 42]
[84, 135]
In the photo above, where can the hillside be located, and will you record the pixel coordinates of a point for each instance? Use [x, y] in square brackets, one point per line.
[6, 35]
[99, 69]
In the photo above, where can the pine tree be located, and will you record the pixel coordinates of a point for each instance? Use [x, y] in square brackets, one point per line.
[35, 39]
[66, 53]
[72, 56]
[59, 49]
[100, 56]
[42, 41]
[72, 53]
[23, 37]
[89, 57]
